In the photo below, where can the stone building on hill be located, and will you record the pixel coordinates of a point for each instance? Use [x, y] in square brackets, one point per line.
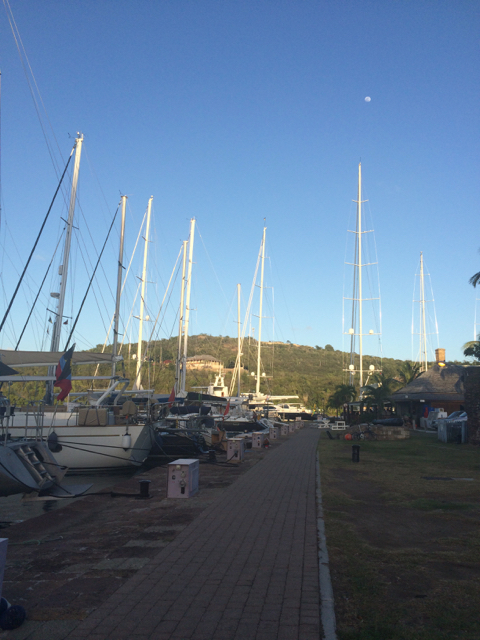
[203, 362]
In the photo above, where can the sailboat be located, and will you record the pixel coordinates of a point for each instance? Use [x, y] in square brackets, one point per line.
[259, 400]
[27, 465]
[102, 435]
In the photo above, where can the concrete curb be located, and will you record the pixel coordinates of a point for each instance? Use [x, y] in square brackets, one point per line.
[327, 607]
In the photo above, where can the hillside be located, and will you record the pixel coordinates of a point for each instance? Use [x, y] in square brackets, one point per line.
[309, 372]
[312, 373]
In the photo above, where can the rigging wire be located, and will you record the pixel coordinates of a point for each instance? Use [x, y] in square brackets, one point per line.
[26, 69]
[36, 242]
[91, 280]
[36, 298]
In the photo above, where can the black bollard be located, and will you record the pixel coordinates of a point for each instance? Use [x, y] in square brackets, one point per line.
[212, 457]
[144, 486]
[355, 453]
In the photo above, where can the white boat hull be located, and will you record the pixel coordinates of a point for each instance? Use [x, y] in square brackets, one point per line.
[92, 447]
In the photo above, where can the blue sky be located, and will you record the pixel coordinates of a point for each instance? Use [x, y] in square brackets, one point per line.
[232, 112]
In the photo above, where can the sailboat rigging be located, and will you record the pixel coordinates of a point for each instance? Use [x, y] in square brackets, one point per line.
[424, 327]
[356, 333]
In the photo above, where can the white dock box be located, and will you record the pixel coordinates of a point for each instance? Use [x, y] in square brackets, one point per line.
[274, 433]
[292, 427]
[182, 478]
[284, 429]
[235, 450]
[257, 439]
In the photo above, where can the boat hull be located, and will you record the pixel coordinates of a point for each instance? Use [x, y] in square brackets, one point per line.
[15, 476]
[87, 448]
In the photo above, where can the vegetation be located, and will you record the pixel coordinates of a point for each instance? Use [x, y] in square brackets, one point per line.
[317, 375]
[408, 372]
[403, 544]
[472, 349]
[377, 393]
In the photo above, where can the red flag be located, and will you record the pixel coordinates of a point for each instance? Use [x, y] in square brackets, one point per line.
[227, 408]
[171, 399]
[63, 374]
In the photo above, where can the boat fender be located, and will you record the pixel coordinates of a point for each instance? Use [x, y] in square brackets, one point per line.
[53, 443]
[13, 617]
[126, 441]
[4, 605]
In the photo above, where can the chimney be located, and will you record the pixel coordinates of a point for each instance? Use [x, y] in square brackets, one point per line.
[439, 355]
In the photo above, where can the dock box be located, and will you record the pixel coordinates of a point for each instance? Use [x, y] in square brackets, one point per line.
[284, 429]
[235, 450]
[274, 433]
[182, 478]
[257, 439]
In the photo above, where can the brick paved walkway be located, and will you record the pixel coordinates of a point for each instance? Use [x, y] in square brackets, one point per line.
[246, 568]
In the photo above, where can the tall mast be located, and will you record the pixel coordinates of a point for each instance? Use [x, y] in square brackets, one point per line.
[187, 305]
[257, 391]
[423, 320]
[63, 268]
[138, 380]
[239, 341]
[119, 286]
[180, 320]
[359, 237]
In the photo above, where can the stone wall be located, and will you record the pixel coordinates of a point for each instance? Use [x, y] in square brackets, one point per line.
[472, 403]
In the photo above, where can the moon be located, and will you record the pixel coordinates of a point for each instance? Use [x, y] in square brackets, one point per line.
[367, 99]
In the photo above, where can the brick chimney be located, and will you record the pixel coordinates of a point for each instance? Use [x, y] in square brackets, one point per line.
[439, 355]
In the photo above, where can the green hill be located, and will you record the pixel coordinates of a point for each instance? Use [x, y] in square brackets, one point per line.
[312, 373]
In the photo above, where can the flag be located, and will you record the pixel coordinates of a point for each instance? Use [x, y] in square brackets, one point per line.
[171, 399]
[227, 408]
[5, 370]
[63, 374]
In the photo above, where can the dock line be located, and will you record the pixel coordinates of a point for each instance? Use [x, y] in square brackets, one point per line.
[327, 607]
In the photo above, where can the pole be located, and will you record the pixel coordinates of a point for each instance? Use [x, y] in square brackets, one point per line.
[360, 318]
[239, 341]
[119, 286]
[138, 380]
[187, 305]
[260, 312]
[180, 320]
[63, 269]
[423, 329]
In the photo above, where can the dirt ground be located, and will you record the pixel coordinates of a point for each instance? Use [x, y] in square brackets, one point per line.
[62, 564]
[404, 549]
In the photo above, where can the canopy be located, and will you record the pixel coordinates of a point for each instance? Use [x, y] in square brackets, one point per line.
[47, 358]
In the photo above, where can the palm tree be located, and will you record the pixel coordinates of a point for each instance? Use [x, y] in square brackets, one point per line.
[343, 394]
[408, 372]
[475, 279]
[377, 393]
[472, 348]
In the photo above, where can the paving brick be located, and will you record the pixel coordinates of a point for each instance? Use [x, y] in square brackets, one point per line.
[245, 568]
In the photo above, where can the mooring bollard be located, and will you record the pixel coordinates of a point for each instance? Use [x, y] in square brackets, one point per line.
[355, 453]
[144, 486]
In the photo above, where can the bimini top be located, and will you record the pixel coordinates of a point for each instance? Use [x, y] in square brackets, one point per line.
[47, 358]
[438, 383]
